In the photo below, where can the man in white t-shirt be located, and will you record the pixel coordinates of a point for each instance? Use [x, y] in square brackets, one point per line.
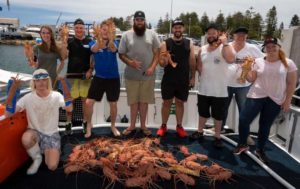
[236, 87]
[42, 111]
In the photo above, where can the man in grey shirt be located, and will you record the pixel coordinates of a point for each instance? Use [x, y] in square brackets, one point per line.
[138, 49]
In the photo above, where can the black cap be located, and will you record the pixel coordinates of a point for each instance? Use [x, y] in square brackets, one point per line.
[269, 40]
[212, 26]
[177, 22]
[139, 14]
[78, 21]
[241, 30]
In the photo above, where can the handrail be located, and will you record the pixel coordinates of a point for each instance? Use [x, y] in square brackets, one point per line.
[22, 93]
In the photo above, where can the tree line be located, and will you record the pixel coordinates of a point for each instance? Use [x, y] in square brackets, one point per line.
[195, 27]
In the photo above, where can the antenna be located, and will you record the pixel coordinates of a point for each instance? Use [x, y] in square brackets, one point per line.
[8, 4]
[58, 19]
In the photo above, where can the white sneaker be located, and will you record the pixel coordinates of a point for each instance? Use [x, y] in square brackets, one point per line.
[35, 165]
[250, 141]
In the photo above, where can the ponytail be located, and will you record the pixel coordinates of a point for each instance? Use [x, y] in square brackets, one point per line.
[282, 57]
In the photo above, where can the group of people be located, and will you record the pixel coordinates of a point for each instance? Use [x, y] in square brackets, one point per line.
[219, 65]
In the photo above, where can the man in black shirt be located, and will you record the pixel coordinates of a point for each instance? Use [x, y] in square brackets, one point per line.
[80, 68]
[176, 80]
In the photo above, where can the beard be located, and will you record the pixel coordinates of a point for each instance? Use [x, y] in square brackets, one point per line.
[212, 40]
[177, 35]
[139, 31]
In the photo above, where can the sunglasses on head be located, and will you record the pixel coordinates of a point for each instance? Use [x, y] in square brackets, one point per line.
[41, 76]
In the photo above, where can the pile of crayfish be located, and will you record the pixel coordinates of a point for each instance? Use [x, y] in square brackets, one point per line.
[140, 162]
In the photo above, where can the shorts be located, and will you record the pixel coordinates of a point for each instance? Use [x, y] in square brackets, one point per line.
[171, 90]
[100, 85]
[140, 91]
[49, 142]
[79, 87]
[217, 105]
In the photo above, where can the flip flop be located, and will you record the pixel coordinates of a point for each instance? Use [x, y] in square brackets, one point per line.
[146, 132]
[128, 131]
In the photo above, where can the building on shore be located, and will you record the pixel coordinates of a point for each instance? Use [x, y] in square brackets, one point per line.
[9, 24]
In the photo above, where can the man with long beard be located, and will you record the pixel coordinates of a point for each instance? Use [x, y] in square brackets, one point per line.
[212, 92]
[138, 50]
[177, 80]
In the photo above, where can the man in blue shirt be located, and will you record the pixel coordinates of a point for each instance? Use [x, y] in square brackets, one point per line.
[106, 78]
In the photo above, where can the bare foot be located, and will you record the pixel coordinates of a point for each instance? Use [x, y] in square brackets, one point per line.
[88, 131]
[115, 131]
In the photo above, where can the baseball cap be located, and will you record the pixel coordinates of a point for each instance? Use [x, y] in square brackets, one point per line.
[139, 14]
[177, 22]
[78, 21]
[40, 74]
[212, 26]
[241, 30]
[269, 40]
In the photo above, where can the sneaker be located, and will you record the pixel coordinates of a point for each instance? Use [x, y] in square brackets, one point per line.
[68, 130]
[240, 148]
[196, 135]
[260, 154]
[218, 143]
[250, 141]
[162, 130]
[180, 131]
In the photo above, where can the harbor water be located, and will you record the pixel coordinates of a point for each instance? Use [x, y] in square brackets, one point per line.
[12, 59]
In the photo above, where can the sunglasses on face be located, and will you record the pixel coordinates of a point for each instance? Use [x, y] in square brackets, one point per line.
[41, 76]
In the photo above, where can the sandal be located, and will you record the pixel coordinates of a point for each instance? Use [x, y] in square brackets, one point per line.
[128, 131]
[146, 132]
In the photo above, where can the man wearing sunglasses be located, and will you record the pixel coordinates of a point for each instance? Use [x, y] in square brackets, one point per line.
[42, 134]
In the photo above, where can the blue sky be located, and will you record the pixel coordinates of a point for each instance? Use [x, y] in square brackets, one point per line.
[47, 11]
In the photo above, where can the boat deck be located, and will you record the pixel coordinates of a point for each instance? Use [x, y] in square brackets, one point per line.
[247, 173]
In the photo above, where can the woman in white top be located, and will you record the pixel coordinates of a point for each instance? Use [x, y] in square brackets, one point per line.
[274, 81]
[236, 87]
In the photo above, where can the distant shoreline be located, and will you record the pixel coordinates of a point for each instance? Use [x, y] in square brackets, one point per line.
[15, 42]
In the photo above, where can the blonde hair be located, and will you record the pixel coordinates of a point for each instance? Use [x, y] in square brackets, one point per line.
[38, 71]
[282, 57]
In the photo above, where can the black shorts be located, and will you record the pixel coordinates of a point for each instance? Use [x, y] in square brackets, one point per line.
[170, 90]
[217, 105]
[100, 85]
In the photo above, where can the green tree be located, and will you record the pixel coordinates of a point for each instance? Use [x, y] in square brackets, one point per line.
[192, 25]
[204, 22]
[121, 23]
[257, 24]
[229, 22]
[163, 26]
[295, 21]
[271, 22]
[238, 20]
[220, 21]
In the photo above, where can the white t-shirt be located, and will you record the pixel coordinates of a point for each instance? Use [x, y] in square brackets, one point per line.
[235, 70]
[271, 80]
[213, 79]
[42, 113]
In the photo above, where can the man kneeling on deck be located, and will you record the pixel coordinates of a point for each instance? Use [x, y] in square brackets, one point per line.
[42, 108]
